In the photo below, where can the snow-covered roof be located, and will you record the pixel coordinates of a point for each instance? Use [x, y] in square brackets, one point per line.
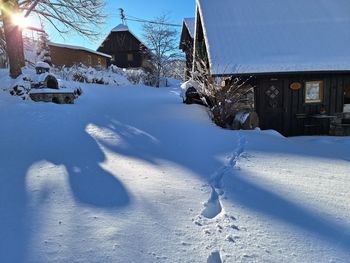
[190, 24]
[255, 36]
[79, 48]
[120, 28]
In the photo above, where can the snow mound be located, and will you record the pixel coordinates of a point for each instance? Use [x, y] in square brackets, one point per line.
[41, 64]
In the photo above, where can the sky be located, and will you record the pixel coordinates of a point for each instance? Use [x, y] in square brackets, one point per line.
[177, 10]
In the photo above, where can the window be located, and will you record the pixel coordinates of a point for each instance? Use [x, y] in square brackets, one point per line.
[99, 61]
[89, 60]
[314, 92]
[130, 57]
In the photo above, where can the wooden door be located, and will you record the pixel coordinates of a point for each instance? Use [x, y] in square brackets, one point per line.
[272, 106]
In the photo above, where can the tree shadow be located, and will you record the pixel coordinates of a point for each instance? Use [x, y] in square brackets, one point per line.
[54, 139]
[153, 147]
[258, 199]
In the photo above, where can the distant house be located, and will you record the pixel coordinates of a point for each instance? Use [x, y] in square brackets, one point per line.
[126, 50]
[67, 55]
[295, 53]
[186, 43]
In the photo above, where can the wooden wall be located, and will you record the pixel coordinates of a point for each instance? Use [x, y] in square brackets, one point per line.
[187, 45]
[286, 119]
[119, 45]
[62, 56]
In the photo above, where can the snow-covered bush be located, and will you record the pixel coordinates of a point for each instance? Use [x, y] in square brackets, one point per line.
[21, 86]
[43, 49]
[230, 100]
[111, 76]
[81, 73]
[139, 76]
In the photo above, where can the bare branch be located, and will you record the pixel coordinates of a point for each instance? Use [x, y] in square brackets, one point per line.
[81, 16]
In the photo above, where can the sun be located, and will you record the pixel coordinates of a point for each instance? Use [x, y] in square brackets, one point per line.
[20, 21]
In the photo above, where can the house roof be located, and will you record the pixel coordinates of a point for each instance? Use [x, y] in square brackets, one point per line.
[79, 48]
[122, 28]
[254, 36]
[190, 24]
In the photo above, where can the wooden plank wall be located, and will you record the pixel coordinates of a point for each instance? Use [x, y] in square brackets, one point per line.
[294, 101]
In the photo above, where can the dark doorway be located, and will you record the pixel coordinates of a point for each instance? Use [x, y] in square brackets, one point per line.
[272, 108]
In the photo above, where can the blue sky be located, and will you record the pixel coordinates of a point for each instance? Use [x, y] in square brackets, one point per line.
[177, 9]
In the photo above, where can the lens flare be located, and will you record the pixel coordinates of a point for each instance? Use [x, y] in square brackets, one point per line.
[20, 21]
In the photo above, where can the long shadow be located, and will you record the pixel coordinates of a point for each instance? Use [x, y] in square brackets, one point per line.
[258, 199]
[143, 144]
[58, 138]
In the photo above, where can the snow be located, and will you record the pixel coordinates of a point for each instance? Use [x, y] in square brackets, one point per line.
[79, 48]
[190, 24]
[120, 28]
[123, 28]
[41, 64]
[276, 36]
[130, 174]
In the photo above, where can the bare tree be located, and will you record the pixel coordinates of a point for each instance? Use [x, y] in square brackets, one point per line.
[162, 40]
[13, 36]
[81, 16]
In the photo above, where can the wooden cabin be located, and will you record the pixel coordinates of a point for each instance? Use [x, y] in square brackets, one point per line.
[126, 50]
[186, 43]
[68, 55]
[296, 54]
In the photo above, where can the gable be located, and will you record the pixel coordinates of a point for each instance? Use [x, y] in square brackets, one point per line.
[190, 25]
[254, 36]
[121, 39]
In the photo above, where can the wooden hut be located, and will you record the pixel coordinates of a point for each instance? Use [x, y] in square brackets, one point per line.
[186, 43]
[295, 53]
[68, 55]
[126, 50]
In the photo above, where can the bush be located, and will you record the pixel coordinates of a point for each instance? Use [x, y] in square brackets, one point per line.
[81, 73]
[230, 100]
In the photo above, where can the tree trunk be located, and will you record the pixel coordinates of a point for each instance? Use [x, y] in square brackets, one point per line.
[13, 37]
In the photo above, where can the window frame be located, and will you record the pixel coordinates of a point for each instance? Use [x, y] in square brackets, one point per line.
[130, 57]
[321, 92]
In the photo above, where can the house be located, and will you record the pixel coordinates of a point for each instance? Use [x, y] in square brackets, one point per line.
[126, 50]
[67, 55]
[296, 54]
[186, 43]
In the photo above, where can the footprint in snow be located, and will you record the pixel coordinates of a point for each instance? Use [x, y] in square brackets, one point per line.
[213, 206]
[214, 257]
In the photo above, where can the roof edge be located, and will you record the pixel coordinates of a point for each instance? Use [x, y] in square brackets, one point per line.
[79, 48]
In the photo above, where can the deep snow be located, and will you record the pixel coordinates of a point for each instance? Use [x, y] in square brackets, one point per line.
[130, 174]
[290, 35]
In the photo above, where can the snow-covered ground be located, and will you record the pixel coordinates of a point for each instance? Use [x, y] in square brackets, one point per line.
[130, 174]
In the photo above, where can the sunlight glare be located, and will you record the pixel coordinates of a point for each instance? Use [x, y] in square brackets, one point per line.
[20, 21]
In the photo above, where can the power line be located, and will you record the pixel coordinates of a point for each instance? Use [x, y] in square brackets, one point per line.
[152, 22]
[124, 18]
